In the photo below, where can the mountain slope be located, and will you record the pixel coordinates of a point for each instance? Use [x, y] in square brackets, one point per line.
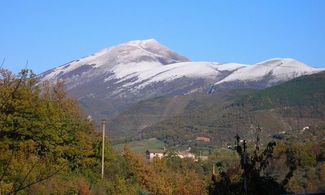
[286, 107]
[307, 90]
[131, 122]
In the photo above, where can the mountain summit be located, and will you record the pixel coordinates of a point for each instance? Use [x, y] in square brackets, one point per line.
[149, 51]
[111, 80]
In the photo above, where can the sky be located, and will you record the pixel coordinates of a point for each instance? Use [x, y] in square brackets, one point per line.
[41, 35]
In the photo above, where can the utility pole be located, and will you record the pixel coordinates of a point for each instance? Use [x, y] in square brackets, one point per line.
[103, 145]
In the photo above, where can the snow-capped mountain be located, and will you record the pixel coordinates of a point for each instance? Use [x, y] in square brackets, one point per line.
[134, 55]
[112, 79]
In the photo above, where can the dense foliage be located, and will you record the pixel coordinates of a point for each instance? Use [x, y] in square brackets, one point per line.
[42, 134]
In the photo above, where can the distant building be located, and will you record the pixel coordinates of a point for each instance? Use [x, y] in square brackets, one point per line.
[160, 154]
[304, 129]
[151, 155]
[186, 154]
[90, 118]
[202, 138]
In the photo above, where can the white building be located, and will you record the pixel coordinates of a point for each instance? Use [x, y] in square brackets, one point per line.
[150, 154]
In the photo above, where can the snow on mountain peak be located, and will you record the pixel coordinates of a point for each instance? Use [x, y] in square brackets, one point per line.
[147, 51]
[276, 70]
[152, 46]
[146, 74]
[152, 42]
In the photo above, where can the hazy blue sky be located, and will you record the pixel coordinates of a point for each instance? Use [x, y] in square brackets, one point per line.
[50, 33]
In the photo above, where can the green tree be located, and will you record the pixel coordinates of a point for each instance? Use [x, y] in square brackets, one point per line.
[42, 133]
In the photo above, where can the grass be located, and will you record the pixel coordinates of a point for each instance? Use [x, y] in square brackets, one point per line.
[151, 144]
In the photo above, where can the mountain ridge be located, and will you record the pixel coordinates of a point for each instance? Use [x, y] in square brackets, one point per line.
[122, 75]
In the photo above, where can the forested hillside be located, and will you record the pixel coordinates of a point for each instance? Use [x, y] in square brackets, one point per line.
[287, 107]
[303, 91]
[150, 112]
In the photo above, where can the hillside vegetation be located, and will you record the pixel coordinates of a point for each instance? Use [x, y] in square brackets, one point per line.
[287, 107]
[303, 91]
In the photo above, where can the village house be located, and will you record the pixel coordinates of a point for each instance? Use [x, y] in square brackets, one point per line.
[186, 154]
[151, 154]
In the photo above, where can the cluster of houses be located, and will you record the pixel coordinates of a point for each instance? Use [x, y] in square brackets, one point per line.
[181, 154]
[162, 153]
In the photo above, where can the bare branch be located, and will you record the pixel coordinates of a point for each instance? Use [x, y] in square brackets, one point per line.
[26, 64]
[26, 176]
[35, 182]
[7, 166]
[3, 62]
